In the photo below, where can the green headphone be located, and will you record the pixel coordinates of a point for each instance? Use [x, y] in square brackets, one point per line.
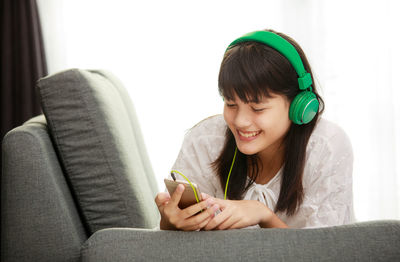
[305, 105]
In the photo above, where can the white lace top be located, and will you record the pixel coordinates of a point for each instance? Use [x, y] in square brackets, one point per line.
[327, 179]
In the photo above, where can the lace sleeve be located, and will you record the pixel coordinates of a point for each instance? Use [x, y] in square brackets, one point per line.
[329, 195]
[199, 149]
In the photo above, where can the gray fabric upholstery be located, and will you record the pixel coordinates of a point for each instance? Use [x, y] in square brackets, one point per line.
[96, 134]
[369, 241]
[39, 220]
[134, 123]
[95, 172]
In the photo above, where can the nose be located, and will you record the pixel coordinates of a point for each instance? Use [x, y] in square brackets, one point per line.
[242, 119]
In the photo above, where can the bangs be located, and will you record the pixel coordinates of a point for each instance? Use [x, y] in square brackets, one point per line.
[247, 72]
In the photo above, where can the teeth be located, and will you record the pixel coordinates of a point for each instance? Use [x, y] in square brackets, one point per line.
[249, 134]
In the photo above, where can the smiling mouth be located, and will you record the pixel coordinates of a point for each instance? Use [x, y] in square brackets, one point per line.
[249, 134]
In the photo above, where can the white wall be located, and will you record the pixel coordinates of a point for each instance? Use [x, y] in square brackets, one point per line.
[167, 53]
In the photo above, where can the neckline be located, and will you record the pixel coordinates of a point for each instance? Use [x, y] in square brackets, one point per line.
[275, 177]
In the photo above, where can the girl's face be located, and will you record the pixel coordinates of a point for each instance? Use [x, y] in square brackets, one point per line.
[258, 127]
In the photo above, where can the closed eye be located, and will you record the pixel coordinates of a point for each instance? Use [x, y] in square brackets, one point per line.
[258, 109]
[230, 105]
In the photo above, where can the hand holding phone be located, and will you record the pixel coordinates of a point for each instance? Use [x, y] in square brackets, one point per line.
[188, 197]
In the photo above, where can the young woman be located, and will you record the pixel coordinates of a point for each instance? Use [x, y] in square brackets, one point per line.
[271, 155]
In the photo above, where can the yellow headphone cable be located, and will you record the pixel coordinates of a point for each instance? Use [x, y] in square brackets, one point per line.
[227, 180]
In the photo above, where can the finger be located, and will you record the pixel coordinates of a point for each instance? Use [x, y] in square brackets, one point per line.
[219, 219]
[200, 218]
[202, 224]
[236, 225]
[199, 221]
[192, 222]
[205, 196]
[196, 208]
[227, 223]
[222, 203]
[176, 196]
[161, 198]
[197, 225]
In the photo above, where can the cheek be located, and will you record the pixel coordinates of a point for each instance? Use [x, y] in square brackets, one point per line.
[274, 122]
[282, 124]
[228, 116]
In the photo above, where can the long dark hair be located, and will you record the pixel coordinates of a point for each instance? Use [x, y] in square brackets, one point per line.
[252, 71]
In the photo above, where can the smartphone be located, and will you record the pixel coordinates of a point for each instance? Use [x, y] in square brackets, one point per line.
[188, 198]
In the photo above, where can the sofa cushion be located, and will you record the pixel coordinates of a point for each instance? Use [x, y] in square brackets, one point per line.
[96, 134]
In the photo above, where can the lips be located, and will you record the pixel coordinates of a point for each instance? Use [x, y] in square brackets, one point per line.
[247, 136]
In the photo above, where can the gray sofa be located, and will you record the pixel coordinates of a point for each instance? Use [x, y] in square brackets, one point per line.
[77, 185]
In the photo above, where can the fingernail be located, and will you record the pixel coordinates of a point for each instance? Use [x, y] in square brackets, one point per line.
[209, 201]
[180, 188]
[215, 208]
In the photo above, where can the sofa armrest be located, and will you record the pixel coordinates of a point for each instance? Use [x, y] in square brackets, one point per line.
[367, 241]
[39, 219]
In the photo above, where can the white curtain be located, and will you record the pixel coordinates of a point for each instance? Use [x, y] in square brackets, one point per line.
[354, 47]
[167, 53]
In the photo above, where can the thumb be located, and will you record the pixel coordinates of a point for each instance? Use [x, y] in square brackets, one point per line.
[176, 196]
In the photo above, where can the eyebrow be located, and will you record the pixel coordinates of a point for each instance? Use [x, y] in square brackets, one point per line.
[268, 101]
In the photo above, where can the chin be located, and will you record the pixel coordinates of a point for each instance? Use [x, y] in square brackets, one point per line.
[247, 150]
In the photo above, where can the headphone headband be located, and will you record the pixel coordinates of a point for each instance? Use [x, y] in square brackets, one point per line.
[282, 46]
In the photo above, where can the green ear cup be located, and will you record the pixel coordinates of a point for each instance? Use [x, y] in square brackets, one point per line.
[303, 108]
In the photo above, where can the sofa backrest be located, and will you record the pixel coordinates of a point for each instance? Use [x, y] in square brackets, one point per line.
[96, 133]
[39, 219]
